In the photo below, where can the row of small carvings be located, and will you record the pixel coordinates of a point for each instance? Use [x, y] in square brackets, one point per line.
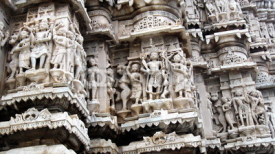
[34, 119]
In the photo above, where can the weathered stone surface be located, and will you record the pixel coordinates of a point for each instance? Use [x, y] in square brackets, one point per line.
[137, 76]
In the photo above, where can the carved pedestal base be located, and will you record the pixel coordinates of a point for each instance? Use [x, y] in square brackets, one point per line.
[222, 136]
[93, 106]
[136, 108]
[123, 113]
[246, 130]
[78, 87]
[57, 75]
[21, 79]
[36, 75]
[11, 83]
[158, 104]
[262, 131]
[233, 133]
[183, 103]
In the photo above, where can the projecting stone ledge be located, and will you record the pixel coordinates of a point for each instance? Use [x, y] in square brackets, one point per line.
[161, 141]
[51, 97]
[41, 149]
[161, 117]
[69, 130]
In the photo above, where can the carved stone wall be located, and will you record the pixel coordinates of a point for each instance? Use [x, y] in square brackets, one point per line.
[137, 76]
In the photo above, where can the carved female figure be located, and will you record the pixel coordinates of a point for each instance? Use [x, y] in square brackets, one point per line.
[13, 65]
[136, 81]
[241, 108]
[180, 74]
[153, 69]
[218, 108]
[93, 72]
[79, 58]
[41, 44]
[23, 47]
[226, 107]
[60, 40]
[123, 84]
[3, 37]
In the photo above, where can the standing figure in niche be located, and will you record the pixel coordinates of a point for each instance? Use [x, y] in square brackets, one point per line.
[110, 82]
[257, 105]
[60, 40]
[123, 84]
[222, 5]
[23, 48]
[218, 108]
[226, 107]
[93, 79]
[41, 44]
[136, 81]
[13, 64]
[241, 108]
[3, 37]
[180, 74]
[154, 79]
[211, 8]
[79, 59]
[70, 51]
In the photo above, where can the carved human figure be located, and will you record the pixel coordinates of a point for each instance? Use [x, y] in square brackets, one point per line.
[60, 40]
[241, 107]
[41, 44]
[226, 107]
[23, 48]
[257, 105]
[179, 69]
[136, 81]
[79, 59]
[70, 51]
[14, 62]
[219, 110]
[93, 79]
[110, 82]
[123, 84]
[221, 5]
[270, 29]
[209, 105]
[154, 75]
[211, 8]
[3, 37]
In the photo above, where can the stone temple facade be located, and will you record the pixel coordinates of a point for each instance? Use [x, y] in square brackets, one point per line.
[137, 76]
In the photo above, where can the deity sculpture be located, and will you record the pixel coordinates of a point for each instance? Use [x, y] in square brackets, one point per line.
[123, 84]
[60, 40]
[226, 107]
[14, 62]
[154, 72]
[221, 5]
[136, 81]
[218, 108]
[23, 48]
[270, 29]
[79, 59]
[179, 69]
[41, 48]
[211, 8]
[257, 105]
[93, 79]
[239, 102]
[3, 37]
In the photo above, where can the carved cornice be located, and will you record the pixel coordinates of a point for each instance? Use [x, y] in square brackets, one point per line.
[161, 141]
[160, 117]
[49, 93]
[33, 119]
